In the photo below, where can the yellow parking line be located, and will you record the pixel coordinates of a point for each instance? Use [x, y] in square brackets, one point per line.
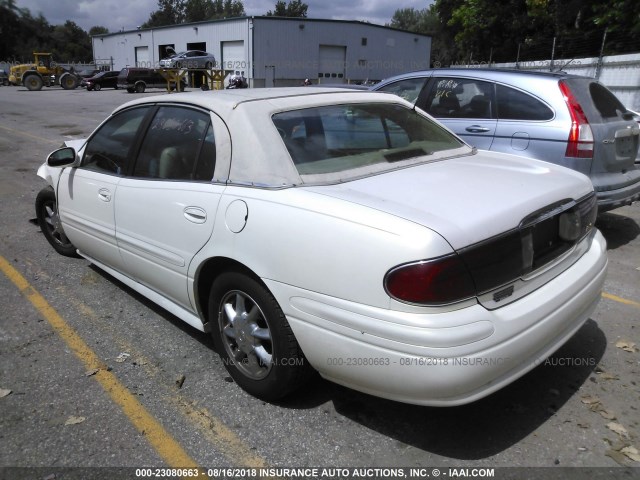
[225, 440]
[620, 299]
[162, 442]
[29, 135]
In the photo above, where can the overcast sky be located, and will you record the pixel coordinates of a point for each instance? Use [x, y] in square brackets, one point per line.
[119, 14]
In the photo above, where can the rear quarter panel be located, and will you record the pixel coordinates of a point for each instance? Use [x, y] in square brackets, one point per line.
[544, 140]
[317, 243]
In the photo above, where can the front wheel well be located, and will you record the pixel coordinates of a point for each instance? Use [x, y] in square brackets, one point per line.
[206, 275]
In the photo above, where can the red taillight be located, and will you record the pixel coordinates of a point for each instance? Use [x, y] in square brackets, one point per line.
[580, 142]
[431, 282]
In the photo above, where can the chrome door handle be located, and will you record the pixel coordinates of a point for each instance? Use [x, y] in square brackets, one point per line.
[476, 129]
[104, 195]
[195, 214]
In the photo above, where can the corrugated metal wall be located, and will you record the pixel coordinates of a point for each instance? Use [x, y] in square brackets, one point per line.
[122, 46]
[292, 47]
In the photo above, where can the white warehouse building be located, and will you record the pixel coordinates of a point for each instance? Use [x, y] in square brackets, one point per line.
[276, 51]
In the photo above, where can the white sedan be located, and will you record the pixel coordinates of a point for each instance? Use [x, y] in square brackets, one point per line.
[341, 231]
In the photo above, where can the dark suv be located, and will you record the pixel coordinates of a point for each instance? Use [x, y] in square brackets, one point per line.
[564, 119]
[139, 79]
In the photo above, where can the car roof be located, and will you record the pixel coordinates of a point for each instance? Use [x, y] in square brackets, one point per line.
[226, 101]
[491, 73]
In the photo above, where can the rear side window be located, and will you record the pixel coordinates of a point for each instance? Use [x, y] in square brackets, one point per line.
[605, 102]
[173, 145]
[516, 105]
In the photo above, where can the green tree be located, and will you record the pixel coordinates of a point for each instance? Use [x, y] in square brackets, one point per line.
[412, 20]
[174, 12]
[620, 16]
[70, 43]
[279, 11]
[198, 10]
[484, 29]
[34, 35]
[427, 22]
[170, 12]
[9, 28]
[98, 30]
[23, 34]
[233, 8]
[295, 8]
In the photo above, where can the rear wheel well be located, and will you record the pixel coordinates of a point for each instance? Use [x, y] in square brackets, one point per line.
[206, 275]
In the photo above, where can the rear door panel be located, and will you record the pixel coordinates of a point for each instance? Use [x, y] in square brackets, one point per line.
[165, 211]
[528, 126]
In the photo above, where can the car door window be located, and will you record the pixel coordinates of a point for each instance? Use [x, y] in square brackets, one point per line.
[109, 148]
[178, 145]
[516, 105]
[408, 89]
[459, 98]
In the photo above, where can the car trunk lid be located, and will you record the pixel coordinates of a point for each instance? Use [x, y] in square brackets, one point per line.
[469, 199]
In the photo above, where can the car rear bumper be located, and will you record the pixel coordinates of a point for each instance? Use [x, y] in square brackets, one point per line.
[446, 358]
[619, 197]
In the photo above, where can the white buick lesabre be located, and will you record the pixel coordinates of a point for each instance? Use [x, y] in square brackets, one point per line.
[341, 231]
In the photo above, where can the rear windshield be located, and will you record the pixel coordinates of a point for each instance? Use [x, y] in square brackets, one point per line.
[598, 102]
[341, 138]
[605, 102]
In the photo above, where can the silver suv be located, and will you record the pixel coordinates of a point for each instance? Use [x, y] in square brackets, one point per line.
[564, 119]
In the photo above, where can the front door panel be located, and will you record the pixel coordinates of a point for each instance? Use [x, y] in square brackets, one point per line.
[86, 205]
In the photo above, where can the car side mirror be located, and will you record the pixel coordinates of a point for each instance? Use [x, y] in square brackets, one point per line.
[62, 157]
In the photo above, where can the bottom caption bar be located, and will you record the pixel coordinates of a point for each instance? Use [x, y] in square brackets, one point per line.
[319, 473]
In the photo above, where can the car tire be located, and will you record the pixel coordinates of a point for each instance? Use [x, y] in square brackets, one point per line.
[140, 87]
[97, 87]
[253, 337]
[49, 222]
[208, 65]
